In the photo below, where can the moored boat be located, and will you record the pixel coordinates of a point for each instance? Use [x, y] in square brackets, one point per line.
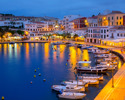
[92, 70]
[68, 88]
[71, 95]
[101, 56]
[93, 77]
[75, 82]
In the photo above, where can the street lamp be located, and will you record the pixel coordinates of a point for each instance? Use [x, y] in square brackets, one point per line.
[112, 73]
[112, 77]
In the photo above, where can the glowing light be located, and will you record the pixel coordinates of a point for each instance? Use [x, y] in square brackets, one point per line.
[46, 52]
[85, 57]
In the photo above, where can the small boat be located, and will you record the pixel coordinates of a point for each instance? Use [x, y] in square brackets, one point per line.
[101, 56]
[85, 61]
[109, 67]
[92, 70]
[11, 42]
[68, 88]
[103, 60]
[91, 81]
[79, 46]
[71, 45]
[75, 82]
[101, 52]
[89, 51]
[93, 77]
[86, 47]
[57, 43]
[71, 95]
[108, 63]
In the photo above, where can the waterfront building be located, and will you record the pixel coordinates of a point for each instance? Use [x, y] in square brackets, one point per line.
[115, 18]
[80, 23]
[92, 21]
[67, 19]
[108, 35]
[15, 23]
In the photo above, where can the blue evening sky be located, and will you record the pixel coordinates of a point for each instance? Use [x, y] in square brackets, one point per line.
[59, 8]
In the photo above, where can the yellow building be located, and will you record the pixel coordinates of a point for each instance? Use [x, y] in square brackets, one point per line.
[115, 18]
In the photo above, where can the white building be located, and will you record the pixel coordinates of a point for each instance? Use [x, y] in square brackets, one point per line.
[67, 19]
[17, 23]
[92, 21]
[109, 35]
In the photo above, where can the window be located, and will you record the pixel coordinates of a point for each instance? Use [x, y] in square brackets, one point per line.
[120, 17]
[121, 35]
[104, 31]
[124, 34]
[104, 36]
[91, 31]
[112, 18]
[108, 18]
[101, 31]
[107, 35]
[120, 23]
[116, 23]
[101, 36]
[91, 35]
[117, 17]
[107, 30]
[118, 34]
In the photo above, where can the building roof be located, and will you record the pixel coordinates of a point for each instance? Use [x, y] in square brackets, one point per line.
[118, 27]
[116, 12]
[94, 17]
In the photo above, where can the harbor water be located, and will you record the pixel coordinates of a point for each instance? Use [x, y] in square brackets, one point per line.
[53, 64]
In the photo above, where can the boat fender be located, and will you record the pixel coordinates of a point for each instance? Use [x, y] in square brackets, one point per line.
[34, 76]
[66, 63]
[44, 80]
[39, 74]
[35, 70]
[2, 97]
[31, 82]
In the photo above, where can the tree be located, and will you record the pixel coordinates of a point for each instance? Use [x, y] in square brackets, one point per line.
[68, 35]
[93, 15]
[11, 32]
[75, 36]
[20, 32]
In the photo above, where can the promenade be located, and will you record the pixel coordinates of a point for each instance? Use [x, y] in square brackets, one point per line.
[118, 92]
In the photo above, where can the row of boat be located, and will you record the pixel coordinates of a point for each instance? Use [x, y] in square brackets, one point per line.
[73, 89]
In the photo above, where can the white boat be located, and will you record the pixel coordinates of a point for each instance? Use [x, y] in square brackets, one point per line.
[103, 60]
[71, 95]
[101, 52]
[89, 51]
[93, 77]
[108, 63]
[71, 44]
[92, 70]
[67, 88]
[80, 62]
[75, 82]
[101, 56]
[109, 67]
[91, 81]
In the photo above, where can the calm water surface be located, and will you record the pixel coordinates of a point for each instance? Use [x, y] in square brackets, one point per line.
[18, 62]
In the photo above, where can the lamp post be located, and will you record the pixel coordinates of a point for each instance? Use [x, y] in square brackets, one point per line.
[112, 73]
[112, 79]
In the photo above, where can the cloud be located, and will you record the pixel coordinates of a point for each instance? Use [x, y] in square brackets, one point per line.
[59, 8]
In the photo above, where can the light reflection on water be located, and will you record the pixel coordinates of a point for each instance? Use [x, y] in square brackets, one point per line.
[52, 63]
